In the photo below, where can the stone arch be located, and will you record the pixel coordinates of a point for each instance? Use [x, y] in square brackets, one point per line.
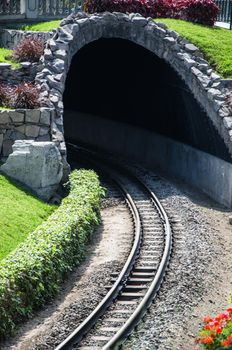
[208, 88]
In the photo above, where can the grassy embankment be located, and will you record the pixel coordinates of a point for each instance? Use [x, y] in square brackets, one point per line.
[214, 42]
[20, 214]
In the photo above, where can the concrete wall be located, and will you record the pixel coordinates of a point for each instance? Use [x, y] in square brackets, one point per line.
[206, 172]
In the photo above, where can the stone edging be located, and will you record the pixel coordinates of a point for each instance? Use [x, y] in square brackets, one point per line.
[78, 30]
[22, 124]
[26, 72]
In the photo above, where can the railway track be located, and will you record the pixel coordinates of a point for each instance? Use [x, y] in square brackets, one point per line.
[133, 289]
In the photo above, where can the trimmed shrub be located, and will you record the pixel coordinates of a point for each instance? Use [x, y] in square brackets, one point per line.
[30, 49]
[31, 274]
[199, 11]
[26, 95]
[152, 8]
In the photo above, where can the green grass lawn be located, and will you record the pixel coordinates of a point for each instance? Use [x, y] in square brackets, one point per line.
[20, 214]
[5, 55]
[37, 27]
[214, 42]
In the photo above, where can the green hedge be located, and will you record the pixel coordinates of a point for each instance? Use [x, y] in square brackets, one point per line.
[31, 274]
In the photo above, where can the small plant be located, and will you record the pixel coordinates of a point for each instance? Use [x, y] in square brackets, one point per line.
[30, 49]
[216, 333]
[26, 95]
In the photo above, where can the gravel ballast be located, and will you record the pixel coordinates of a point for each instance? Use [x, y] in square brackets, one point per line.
[197, 282]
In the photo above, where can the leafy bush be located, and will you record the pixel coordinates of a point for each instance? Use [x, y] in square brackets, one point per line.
[30, 49]
[198, 11]
[31, 274]
[24, 95]
[217, 332]
[152, 8]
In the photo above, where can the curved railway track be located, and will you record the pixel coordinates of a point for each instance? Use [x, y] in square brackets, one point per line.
[134, 288]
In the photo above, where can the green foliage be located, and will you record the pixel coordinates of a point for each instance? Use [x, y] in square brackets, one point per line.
[20, 214]
[6, 57]
[216, 333]
[31, 274]
[214, 42]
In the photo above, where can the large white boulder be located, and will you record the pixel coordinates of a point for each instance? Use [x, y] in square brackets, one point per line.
[35, 164]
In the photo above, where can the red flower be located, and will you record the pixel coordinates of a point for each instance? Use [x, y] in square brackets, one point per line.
[218, 330]
[225, 343]
[229, 309]
[207, 319]
[207, 340]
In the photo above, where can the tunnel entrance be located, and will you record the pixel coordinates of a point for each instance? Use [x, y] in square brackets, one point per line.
[122, 81]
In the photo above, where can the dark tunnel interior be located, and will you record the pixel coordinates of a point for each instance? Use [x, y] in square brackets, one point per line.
[120, 80]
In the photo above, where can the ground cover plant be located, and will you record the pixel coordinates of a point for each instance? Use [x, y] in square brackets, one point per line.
[31, 274]
[6, 57]
[36, 27]
[23, 95]
[216, 333]
[20, 214]
[215, 43]
[199, 11]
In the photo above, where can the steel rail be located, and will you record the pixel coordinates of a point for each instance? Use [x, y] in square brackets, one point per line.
[148, 298]
[139, 312]
[88, 323]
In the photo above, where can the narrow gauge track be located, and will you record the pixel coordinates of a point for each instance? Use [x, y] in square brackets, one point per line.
[134, 289]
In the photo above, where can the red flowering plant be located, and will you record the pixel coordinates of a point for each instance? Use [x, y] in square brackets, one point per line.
[216, 333]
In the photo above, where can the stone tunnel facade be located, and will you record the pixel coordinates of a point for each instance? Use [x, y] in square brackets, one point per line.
[205, 169]
[77, 31]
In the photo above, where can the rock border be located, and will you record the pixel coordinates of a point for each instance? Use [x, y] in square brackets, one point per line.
[209, 89]
[26, 72]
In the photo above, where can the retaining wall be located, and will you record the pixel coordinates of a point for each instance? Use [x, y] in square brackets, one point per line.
[26, 72]
[204, 171]
[9, 38]
[22, 124]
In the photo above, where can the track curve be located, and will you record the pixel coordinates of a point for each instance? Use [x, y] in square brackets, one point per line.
[134, 289]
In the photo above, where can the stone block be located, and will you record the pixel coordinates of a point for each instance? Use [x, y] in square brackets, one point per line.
[32, 116]
[45, 116]
[4, 117]
[7, 147]
[32, 130]
[36, 165]
[43, 131]
[16, 117]
[20, 129]
[1, 142]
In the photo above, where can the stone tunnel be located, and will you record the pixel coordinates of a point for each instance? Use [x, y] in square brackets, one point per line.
[128, 85]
